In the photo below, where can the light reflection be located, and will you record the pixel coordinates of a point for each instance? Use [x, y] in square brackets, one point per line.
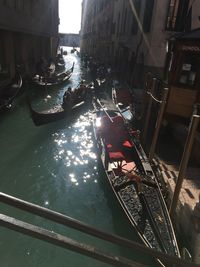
[73, 180]
[75, 151]
[46, 203]
[69, 153]
[61, 152]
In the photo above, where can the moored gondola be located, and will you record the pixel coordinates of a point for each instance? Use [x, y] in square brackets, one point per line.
[53, 80]
[133, 181]
[10, 92]
[123, 100]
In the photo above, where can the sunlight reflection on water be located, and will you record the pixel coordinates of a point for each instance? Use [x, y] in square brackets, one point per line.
[76, 149]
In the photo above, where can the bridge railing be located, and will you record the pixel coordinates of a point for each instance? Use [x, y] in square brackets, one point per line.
[65, 242]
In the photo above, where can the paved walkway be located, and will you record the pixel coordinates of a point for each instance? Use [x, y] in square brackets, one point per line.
[191, 185]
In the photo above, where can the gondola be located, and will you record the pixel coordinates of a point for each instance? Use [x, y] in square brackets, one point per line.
[54, 114]
[73, 50]
[123, 100]
[58, 112]
[10, 92]
[53, 80]
[133, 181]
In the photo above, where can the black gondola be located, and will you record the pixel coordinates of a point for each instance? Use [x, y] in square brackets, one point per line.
[133, 181]
[53, 80]
[54, 114]
[58, 112]
[10, 92]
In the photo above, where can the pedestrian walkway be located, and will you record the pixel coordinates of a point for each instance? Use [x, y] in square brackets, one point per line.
[191, 185]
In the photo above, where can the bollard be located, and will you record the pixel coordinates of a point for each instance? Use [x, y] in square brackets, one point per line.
[146, 123]
[158, 124]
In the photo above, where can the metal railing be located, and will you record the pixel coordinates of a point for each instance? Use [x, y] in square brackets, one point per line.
[67, 243]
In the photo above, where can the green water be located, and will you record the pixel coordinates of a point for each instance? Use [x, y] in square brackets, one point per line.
[55, 166]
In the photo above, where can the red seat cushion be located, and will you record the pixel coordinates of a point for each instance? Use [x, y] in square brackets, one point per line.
[116, 156]
[114, 133]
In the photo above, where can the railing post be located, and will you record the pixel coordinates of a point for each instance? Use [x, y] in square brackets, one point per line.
[184, 162]
[148, 113]
[158, 124]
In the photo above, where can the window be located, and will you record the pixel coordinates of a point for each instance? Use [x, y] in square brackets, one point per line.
[148, 15]
[3, 67]
[179, 15]
[134, 26]
[189, 69]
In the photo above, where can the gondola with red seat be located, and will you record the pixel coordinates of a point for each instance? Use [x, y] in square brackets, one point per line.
[133, 181]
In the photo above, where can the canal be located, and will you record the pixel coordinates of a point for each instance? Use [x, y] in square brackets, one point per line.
[55, 166]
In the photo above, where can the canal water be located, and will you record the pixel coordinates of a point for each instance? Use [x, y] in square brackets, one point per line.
[55, 166]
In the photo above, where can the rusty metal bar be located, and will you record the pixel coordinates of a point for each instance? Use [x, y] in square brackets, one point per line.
[75, 224]
[65, 242]
[184, 162]
[158, 124]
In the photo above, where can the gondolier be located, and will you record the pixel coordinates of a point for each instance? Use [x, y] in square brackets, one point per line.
[67, 98]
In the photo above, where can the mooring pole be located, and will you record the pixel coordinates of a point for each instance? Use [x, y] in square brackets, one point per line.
[158, 124]
[184, 162]
[146, 123]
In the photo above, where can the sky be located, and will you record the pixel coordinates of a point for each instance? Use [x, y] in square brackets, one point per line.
[70, 16]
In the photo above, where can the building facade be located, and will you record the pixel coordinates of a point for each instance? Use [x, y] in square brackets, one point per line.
[28, 31]
[97, 29]
[137, 32]
[69, 39]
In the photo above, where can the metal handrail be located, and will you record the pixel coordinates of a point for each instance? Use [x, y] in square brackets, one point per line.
[75, 224]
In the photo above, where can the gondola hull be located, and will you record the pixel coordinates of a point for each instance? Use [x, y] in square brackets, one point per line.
[140, 198]
[55, 80]
[54, 114]
[58, 112]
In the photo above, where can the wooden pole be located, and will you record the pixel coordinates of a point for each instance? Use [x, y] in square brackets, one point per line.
[184, 163]
[148, 113]
[158, 124]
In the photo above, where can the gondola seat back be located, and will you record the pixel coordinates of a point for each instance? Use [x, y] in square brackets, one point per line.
[124, 96]
[114, 134]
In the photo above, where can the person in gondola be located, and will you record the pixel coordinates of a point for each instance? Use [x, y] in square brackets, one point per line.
[67, 99]
[133, 176]
[81, 91]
